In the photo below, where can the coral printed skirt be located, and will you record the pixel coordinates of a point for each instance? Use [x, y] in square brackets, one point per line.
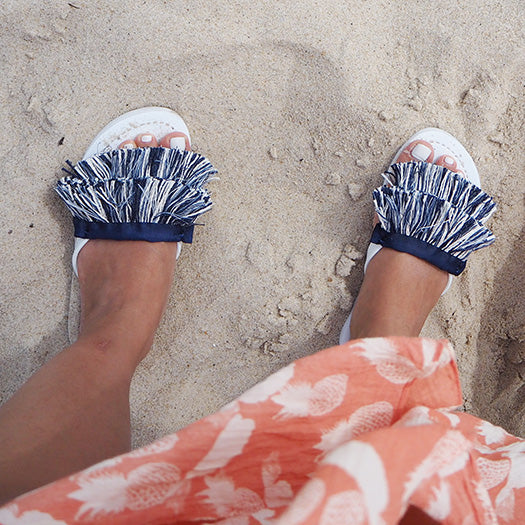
[363, 433]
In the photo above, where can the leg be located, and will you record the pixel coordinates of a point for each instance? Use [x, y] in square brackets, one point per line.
[75, 410]
[399, 290]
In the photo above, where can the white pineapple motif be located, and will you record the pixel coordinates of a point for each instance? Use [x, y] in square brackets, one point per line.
[365, 419]
[229, 501]
[492, 472]
[303, 399]
[10, 515]
[146, 486]
[152, 484]
[344, 508]
[397, 368]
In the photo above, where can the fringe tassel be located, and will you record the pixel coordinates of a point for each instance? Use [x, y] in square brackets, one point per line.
[143, 185]
[433, 213]
[444, 184]
[431, 220]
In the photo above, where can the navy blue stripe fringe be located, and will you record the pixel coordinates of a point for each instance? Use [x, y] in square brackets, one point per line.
[421, 249]
[152, 194]
[432, 213]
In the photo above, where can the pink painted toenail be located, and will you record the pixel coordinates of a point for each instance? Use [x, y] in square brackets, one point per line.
[178, 143]
[421, 152]
[146, 138]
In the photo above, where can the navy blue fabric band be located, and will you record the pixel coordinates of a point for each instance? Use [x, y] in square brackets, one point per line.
[421, 249]
[133, 231]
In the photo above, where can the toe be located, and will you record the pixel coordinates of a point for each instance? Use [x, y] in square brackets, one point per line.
[146, 140]
[127, 144]
[448, 162]
[176, 140]
[418, 151]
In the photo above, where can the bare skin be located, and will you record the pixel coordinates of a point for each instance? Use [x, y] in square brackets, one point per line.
[397, 294]
[74, 411]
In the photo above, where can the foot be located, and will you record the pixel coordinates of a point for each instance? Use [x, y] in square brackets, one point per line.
[175, 140]
[397, 302]
[74, 412]
[422, 151]
[127, 283]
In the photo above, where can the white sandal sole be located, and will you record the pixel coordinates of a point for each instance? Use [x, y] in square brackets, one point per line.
[155, 120]
[445, 144]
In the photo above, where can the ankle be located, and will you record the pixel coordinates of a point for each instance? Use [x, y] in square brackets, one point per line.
[124, 287]
[123, 318]
[398, 293]
[113, 340]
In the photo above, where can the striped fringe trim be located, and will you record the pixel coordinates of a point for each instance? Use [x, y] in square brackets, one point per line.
[444, 184]
[435, 207]
[432, 220]
[143, 185]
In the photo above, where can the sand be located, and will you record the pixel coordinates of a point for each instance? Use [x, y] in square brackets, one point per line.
[300, 105]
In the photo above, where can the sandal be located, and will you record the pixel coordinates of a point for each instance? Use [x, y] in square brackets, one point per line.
[151, 194]
[419, 197]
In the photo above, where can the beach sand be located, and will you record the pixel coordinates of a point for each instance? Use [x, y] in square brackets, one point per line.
[300, 105]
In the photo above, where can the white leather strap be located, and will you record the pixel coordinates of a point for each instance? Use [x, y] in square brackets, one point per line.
[79, 244]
